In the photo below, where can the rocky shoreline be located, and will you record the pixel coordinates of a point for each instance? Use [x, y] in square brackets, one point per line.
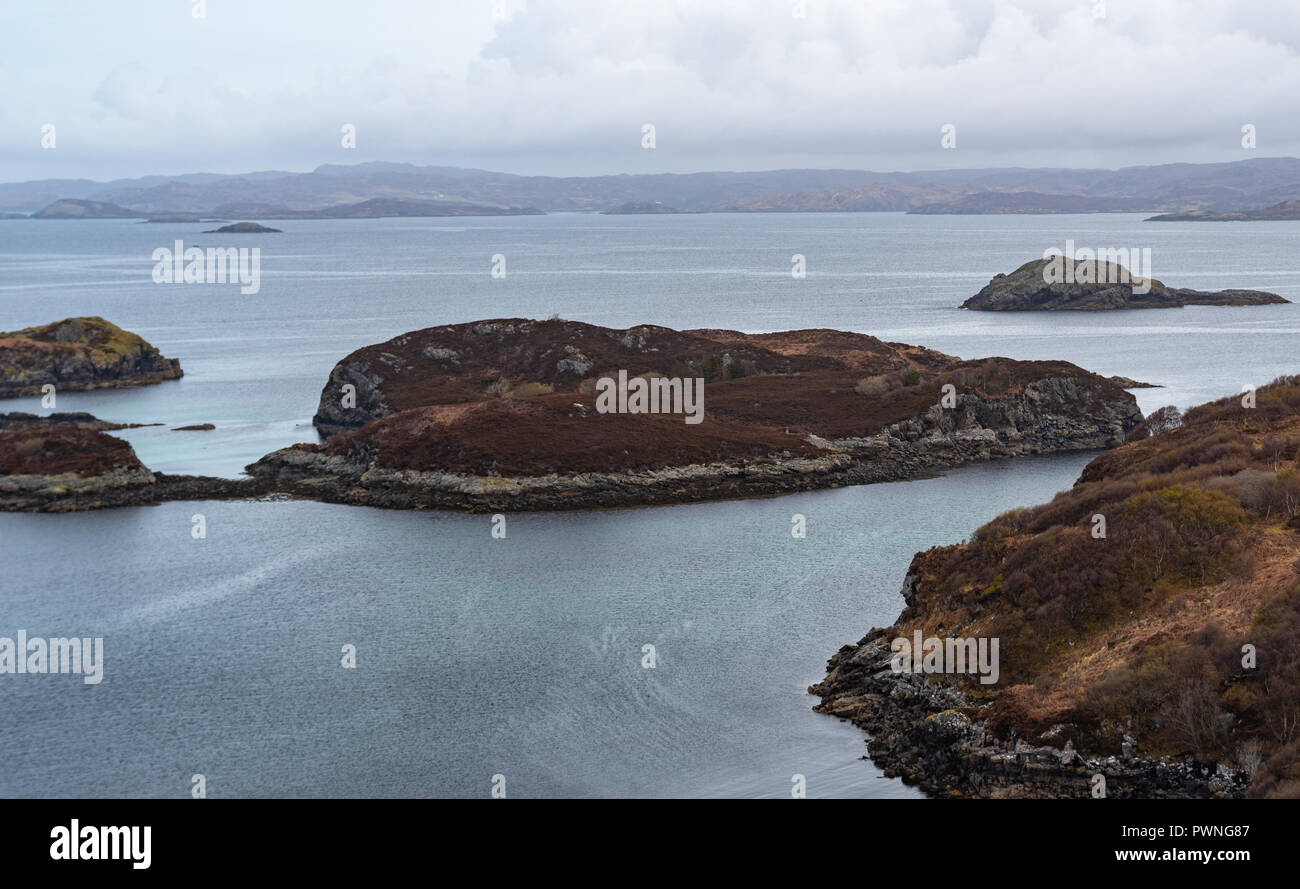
[935, 737]
[70, 492]
[941, 440]
[976, 429]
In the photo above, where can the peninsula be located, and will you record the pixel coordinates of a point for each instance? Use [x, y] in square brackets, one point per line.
[1146, 621]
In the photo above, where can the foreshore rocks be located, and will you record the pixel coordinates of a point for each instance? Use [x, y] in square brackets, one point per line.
[932, 736]
[79, 354]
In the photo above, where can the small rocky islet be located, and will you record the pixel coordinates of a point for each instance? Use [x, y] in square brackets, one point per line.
[1093, 285]
[78, 354]
[243, 228]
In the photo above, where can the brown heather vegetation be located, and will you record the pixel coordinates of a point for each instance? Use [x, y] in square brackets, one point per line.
[43, 451]
[750, 417]
[1141, 632]
[516, 397]
[838, 382]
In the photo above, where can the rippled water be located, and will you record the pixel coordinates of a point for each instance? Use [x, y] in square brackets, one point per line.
[522, 656]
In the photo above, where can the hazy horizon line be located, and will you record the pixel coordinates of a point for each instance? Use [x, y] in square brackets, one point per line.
[832, 169]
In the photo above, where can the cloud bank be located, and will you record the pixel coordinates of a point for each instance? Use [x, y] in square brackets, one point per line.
[566, 87]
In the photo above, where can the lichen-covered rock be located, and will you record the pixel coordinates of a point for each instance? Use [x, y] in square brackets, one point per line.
[1096, 286]
[79, 354]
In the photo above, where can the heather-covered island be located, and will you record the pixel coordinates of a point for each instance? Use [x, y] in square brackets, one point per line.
[1162, 653]
[503, 415]
[79, 354]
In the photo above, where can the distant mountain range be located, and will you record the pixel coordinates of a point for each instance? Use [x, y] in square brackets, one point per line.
[389, 189]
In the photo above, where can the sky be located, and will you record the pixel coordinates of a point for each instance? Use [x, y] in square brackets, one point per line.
[141, 87]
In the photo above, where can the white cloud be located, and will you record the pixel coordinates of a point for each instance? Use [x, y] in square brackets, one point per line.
[565, 87]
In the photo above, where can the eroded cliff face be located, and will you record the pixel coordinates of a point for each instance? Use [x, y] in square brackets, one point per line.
[79, 354]
[1147, 622]
[499, 416]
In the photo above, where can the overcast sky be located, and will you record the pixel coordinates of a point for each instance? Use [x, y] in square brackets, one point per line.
[141, 86]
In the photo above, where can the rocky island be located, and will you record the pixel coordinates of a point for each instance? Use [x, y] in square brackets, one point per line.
[501, 415]
[79, 354]
[243, 228]
[1096, 286]
[1147, 621]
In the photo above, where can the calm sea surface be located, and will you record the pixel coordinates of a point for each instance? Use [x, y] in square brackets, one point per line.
[522, 657]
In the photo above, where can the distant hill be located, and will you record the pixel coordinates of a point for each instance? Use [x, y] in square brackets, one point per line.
[1034, 202]
[1216, 188]
[69, 208]
[1285, 210]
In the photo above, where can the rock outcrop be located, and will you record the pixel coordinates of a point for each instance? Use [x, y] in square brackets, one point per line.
[1096, 286]
[79, 354]
[935, 737]
[65, 463]
[62, 465]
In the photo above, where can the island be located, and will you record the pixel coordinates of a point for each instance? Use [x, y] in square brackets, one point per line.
[1093, 285]
[1146, 621]
[79, 354]
[504, 415]
[242, 228]
[1280, 212]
